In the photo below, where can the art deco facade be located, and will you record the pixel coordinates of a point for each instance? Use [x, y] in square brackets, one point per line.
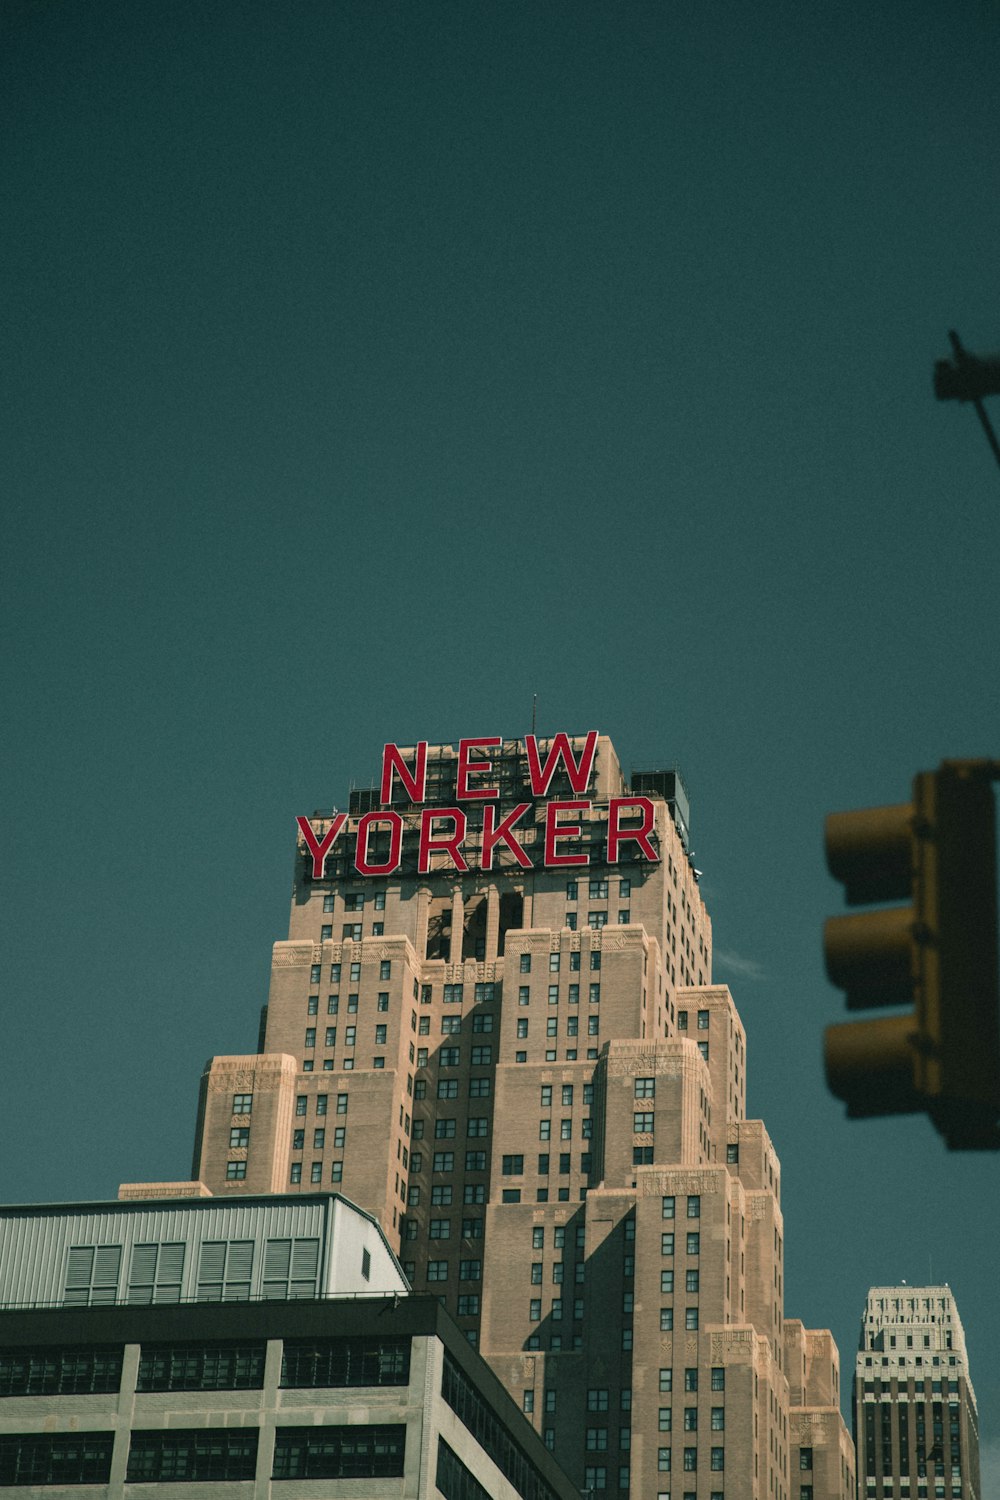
[916, 1424]
[526, 1073]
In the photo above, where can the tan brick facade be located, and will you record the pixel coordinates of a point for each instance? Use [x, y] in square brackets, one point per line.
[528, 1076]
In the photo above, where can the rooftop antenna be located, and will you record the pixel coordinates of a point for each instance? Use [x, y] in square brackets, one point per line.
[534, 711]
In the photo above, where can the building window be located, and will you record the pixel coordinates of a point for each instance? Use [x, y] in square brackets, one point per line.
[663, 1459]
[92, 1275]
[691, 1317]
[437, 1270]
[642, 1122]
[597, 919]
[595, 1478]
[479, 1088]
[666, 1319]
[198, 1455]
[805, 1458]
[348, 1452]
[718, 1378]
[595, 994]
[337, 1171]
[448, 1087]
[482, 1056]
[439, 1229]
[694, 1206]
[666, 1380]
[296, 1172]
[645, 1088]
[236, 1171]
[691, 1281]
[732, 1153]
[666, 1281]
[512, 1166]
[385, 969]
[381, 1033]
[666, 1244]
[525, 963]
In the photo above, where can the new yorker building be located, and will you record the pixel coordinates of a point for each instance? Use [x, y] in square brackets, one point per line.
[493, 1026]
[915, 1418]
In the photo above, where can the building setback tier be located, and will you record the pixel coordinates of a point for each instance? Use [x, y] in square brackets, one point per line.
[529, 1078]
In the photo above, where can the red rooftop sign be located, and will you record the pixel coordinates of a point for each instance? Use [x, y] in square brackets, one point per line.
[442, 830]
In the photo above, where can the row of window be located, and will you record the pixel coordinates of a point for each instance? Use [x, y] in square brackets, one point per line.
[597, 919]
[355, 901]
[513, 1166]
[316, 971]
[447, 1088]
[717, 1459]
[224, 1271]
[228, 1455]
[667, 1318]
[295, 1171]
[558, 1236]
[350, 1035]
[717, 1380]
[572, 995]
[319, 1138]
[302, 1103]
[329, 1363]
[555, 961]
[353, 1002]
[597, 888]
[596, 1478]
[350, 932]
[570, 1055]
[668, 1206]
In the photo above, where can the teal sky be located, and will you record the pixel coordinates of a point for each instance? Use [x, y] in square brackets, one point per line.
[369, 367]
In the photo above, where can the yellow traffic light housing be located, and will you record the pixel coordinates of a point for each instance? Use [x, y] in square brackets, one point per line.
[938, 954]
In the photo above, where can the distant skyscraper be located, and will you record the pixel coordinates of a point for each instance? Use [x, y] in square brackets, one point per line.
[493, 1025]
[915, 1420]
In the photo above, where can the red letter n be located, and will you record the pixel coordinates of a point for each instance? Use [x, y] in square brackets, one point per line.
[413, 782]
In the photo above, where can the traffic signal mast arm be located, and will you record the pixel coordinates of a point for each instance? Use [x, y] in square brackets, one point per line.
[938, 953]
[969, 378]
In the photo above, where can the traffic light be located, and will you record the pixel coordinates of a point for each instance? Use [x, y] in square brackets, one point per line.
[937, 954]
